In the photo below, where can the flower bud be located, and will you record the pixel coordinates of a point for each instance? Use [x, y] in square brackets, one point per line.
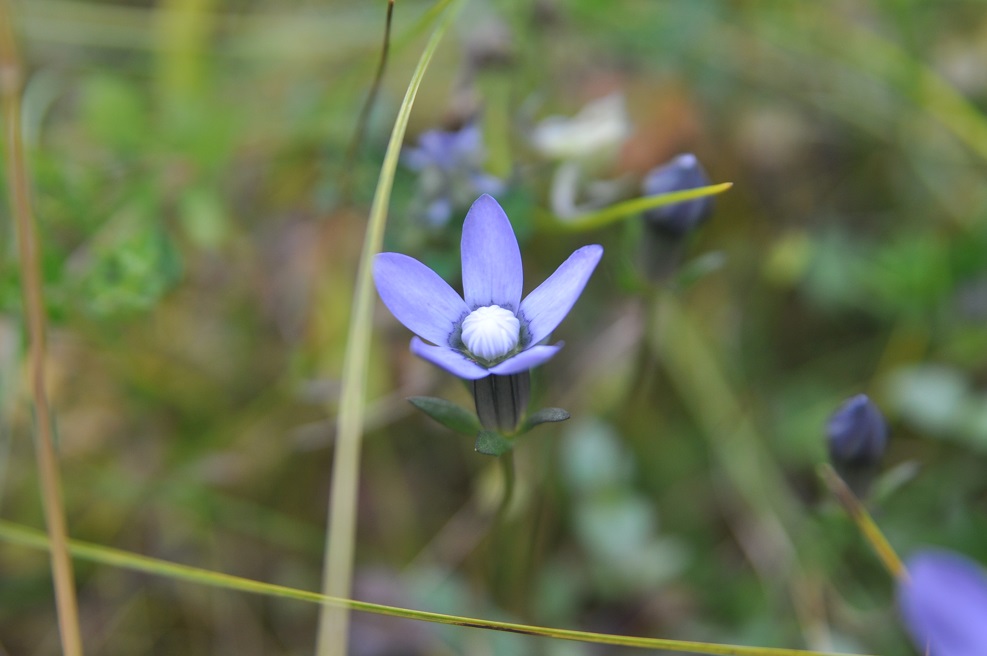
[857, 434]
[501, 401]
[682, 173]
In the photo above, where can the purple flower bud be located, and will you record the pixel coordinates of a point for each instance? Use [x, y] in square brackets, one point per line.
[857, 433]
[682, 173]
[943, 603]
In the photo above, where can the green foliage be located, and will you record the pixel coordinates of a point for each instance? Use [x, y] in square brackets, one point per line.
[492, 443]
[615, 524]
[130, 267]
[204, 218]
[448, 414]
[115, 114]
[545, 415]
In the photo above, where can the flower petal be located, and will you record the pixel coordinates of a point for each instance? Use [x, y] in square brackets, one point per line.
[546, 307]
[418, 297]
[452, 361]
[943, 602]
[527, 359]
[491, 258]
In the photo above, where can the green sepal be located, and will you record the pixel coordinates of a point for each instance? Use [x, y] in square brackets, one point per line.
[492, 443]
[447, 413]
[543, 416]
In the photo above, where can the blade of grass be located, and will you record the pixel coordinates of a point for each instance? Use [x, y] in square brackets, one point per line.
[27, 537]
[19, 185]
[614, 213]
[341, 529]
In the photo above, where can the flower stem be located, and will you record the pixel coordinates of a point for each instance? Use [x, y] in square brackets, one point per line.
[28, 250]
[507, 466]
[868, 527]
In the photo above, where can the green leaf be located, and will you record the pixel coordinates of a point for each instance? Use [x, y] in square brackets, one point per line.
[491, 443]
[447, 413]
[545, 415]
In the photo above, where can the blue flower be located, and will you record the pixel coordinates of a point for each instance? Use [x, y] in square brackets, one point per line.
[857, 433]
[492, 331]
[682, 173]
[943, 602]
[450, 168]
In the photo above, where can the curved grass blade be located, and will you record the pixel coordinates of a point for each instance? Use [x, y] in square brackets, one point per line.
[341, 530]
[614, 213]
[27, 537]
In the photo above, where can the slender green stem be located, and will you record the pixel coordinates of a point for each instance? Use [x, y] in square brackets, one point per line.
[500, 545]
[17, 534]
[507, 466]
[18, 184]
[868, 527]
[341, 530]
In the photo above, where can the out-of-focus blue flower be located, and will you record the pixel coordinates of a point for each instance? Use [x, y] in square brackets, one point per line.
[450, 165]
[943, 603]
[857, 433]
[492, 331]
[682, 173]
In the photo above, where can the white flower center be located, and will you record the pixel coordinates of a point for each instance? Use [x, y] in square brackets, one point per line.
[491, 332]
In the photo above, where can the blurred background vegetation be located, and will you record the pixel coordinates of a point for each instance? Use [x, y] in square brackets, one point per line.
[201, 218]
